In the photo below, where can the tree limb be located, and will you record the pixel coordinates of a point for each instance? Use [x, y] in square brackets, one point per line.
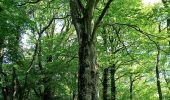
[29, 2]
[96, 25]
[139, 30]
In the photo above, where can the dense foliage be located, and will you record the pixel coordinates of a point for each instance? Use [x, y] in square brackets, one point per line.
[42, 50]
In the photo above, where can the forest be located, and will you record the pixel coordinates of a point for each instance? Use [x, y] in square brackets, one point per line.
[84, 49]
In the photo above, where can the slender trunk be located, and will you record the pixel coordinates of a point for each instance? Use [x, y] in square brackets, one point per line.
[74, 95]
[48, 93]
[3, 89]
[47, 90]
[113, 83]
[105, 84]
[157, 75]
[39, 51]
[4, 92]
[104, 36]
[14, 85]
[1, 59]
[131, 88]
[168, 27]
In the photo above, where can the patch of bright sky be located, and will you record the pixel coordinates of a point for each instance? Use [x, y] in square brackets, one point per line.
[25, 39]
[59, 25]
[150, 2]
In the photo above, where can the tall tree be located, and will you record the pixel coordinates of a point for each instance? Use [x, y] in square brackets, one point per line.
[83, 17]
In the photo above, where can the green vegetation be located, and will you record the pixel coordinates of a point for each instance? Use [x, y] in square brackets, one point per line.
[84, 50]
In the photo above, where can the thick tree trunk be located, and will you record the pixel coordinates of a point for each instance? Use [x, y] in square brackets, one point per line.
[87, 74]
[113, 83]
[105, 83]
[82, 18]
[87, 79]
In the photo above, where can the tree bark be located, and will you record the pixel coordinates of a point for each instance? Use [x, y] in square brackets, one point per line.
[168, 27]
[131, 87]
[82, 18]
[87, 74]
[87, 79]
[3, 89]
[74, 95]
[105, 83]
[157, 75]
[14, 84]
[1, 56]
[113, 83]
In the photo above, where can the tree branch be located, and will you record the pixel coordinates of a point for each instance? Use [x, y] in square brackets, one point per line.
[50, 22]
[35, 52]
[96, 25]
[29, 2]
[139, 30]
[124, 46]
